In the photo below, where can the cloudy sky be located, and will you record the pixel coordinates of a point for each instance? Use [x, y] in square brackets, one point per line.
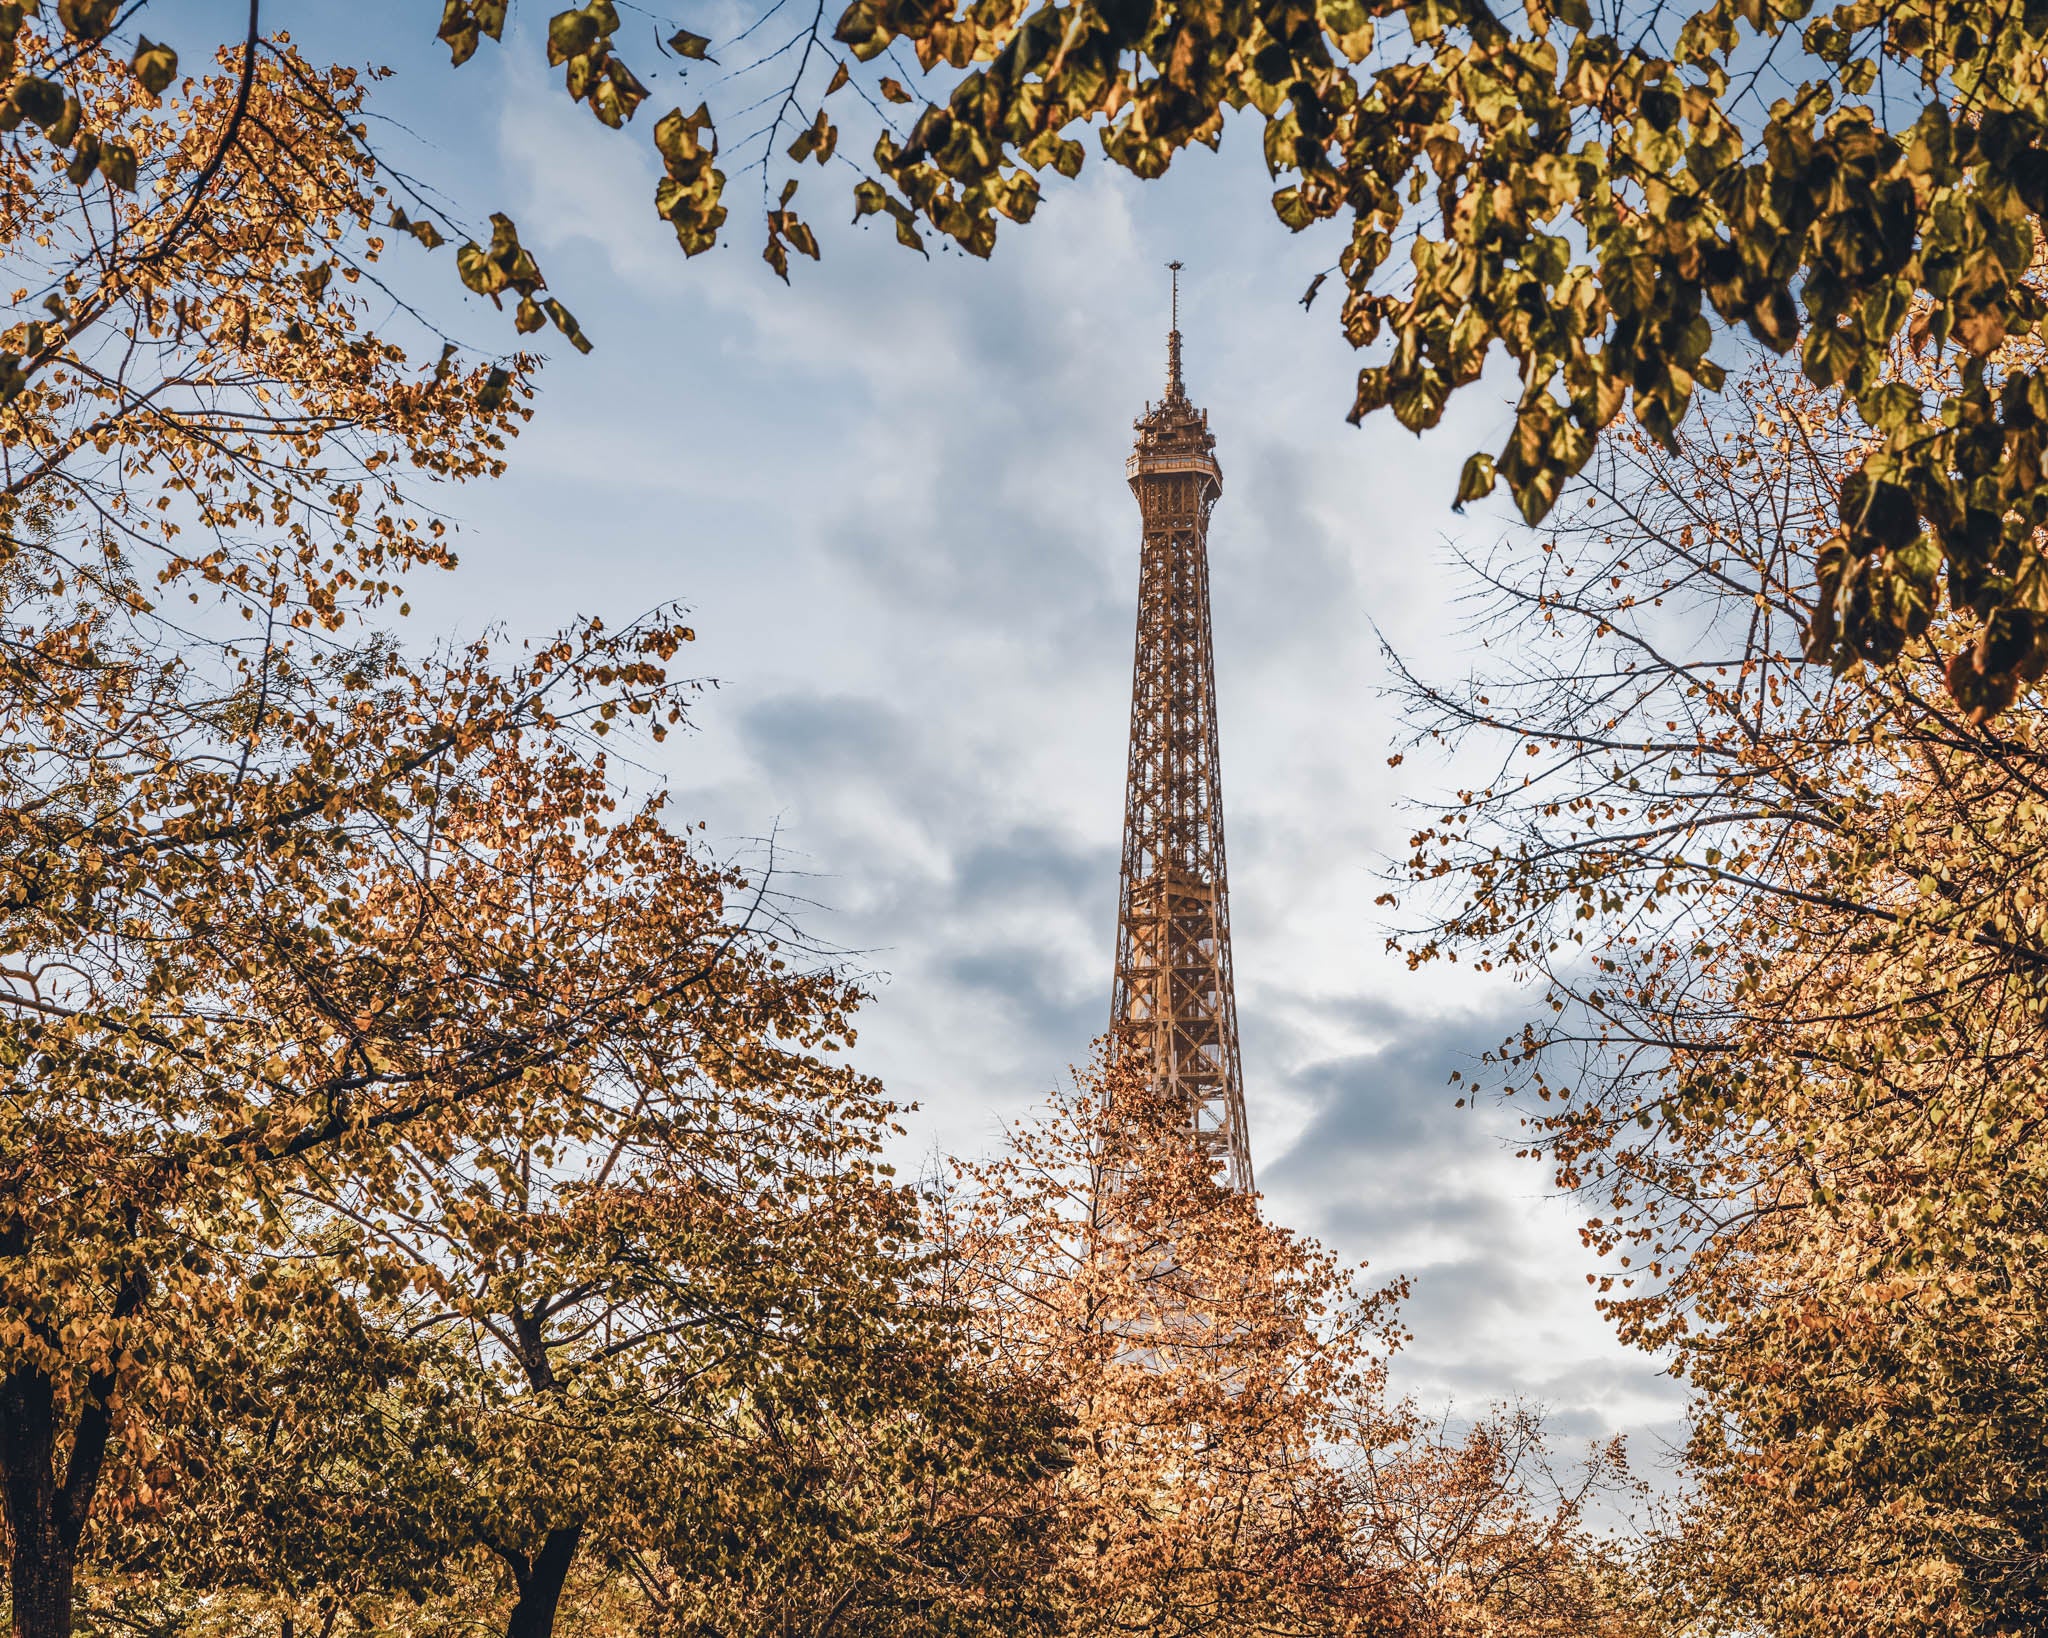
[893, 496]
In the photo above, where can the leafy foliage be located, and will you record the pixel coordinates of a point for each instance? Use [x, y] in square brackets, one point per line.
[1595, 197]
[1183, 1333]
[1237, 1465]
[1606, 192]
[1791, 933]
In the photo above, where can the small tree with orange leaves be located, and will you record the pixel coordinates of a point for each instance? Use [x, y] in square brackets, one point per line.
[1204, 1356]
[1237, 1466]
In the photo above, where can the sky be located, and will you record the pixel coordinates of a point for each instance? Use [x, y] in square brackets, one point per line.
[892, 495]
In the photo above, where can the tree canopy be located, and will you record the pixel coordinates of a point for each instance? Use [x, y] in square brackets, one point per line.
[1789, 930]
[1601, 195]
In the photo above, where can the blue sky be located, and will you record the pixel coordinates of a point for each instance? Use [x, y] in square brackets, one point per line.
[893, 496]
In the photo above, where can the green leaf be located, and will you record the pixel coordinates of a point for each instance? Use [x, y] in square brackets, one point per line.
[425, 232]
[88, 19]
[1290, 207]
[676, 139]
[571, 34]
[1829, 356]
[478, 271]
[1350, 27]
[84, 160]
[459, 31]
[42, 101]
[565, 321]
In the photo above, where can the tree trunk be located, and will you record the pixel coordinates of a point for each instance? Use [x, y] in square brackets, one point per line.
[540, 1580]
[41, 1582]
[45, 1517]
[46, 1513]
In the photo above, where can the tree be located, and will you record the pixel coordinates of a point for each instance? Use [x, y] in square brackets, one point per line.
[1790, 930]
[232, 860]
[1486, 1533]
[694, 1372]
[1202, 1354]
[706, 1221]
[924, 1506]
[1237, 1465]
[1860, 1317]
[682, 1339]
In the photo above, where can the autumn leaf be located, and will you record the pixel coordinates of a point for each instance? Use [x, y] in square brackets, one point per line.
[155, 66]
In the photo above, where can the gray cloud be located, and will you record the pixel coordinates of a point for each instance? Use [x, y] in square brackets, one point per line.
[1030, 988]
[824, 734]
[1037, 865]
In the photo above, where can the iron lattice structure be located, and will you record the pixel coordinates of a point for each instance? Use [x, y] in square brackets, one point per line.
[1174, 996]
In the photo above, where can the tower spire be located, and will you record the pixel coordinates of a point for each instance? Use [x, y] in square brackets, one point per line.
[1174, 997]
[1174, 389]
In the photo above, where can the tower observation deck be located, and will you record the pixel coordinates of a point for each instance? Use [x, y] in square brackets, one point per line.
[1173, 995]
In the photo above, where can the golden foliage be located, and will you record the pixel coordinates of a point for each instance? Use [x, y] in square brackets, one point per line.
[1791, 929]
[1237, 1466]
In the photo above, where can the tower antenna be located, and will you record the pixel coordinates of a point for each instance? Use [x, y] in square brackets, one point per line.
[1174, 389]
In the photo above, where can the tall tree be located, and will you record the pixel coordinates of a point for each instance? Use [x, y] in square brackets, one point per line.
[692, 1366]
[676, 1326]
[1203, 1354]
[238, 823]
[1790, 930]
[582, 1312]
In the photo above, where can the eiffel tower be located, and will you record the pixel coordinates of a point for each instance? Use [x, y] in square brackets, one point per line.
[1173, 996]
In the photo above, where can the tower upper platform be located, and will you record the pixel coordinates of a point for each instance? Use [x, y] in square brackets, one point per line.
[1174, 436]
